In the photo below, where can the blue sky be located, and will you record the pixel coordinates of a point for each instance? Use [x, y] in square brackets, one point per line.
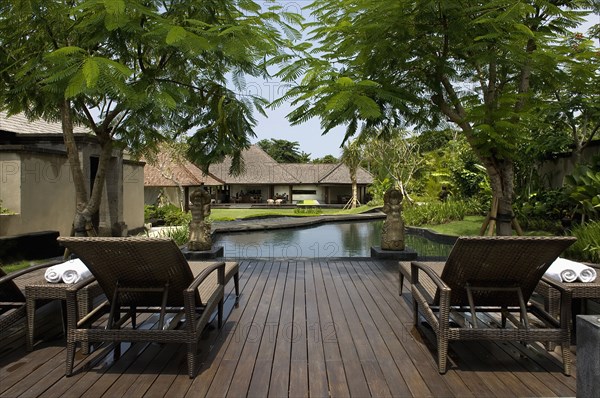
[309, 134]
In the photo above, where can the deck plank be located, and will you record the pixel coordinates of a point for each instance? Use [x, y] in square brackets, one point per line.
[302, 328]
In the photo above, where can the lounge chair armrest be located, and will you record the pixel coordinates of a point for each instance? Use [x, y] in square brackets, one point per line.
[561, 287]
[27, 270]
[220, 266]
[417, 265]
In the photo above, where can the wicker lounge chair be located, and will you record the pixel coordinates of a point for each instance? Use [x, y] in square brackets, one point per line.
[491, 275]
[144, 275]
[12, 300]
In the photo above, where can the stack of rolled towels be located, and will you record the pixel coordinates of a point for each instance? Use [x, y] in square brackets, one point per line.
[563, 270]
[71, 271]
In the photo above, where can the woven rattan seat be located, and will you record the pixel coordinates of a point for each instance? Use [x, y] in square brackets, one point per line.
[144, 275]
[13, 305]
[491, 275]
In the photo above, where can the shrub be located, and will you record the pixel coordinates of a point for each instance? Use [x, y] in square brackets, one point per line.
[587, 246]
[440, 212]
[180, 234]
[170, 214]
[308, 210]
[543, 210]
[4, 210]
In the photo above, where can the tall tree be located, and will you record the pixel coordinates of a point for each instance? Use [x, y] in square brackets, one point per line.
[423, 63]
[397, 154]
[352, 155]
[129, 70]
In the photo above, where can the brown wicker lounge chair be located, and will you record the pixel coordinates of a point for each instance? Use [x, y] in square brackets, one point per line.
[144, 275]
[12, 300]
[491, 275]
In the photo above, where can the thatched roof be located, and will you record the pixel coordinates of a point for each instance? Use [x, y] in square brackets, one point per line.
[167, 173]
[341, 175]
[19, 124]
[260, 168]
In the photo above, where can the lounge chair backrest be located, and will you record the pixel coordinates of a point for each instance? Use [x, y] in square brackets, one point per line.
[499, 261]
[9, 292]
[135, 262]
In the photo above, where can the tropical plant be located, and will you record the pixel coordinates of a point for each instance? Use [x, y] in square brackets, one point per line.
[440, 212]
[284, 151]
[352, 156]
[4, 210]
[474, 64]
[584, 188]
[393, 151]
[327, 159]
[131, 70]
[378, 189]
[587, 246]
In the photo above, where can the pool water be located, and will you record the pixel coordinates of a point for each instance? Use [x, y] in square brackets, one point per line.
[349, 239]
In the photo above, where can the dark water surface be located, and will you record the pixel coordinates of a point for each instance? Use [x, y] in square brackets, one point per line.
[349, 239]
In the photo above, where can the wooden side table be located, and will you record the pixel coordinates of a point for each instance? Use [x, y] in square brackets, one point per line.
[42, 290]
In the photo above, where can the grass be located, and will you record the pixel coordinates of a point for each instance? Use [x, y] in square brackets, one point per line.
[470, 226]
[237, 214]
[19, 265]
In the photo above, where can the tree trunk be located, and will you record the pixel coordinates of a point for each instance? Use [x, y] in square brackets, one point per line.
[81, 194]
[354, 192]
[501, 173]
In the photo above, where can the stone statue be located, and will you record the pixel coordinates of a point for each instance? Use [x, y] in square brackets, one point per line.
[200, 232]
[392, 233]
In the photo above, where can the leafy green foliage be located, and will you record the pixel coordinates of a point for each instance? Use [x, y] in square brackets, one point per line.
[171, 215]
[584, 188]
[4, 210]
[283, 151]
[378, 189]
[544, 211]
[135, 69]
[180, 234]
[440, 212]
[587, 246]
[308, 210]
[327, 159]
[477, 65]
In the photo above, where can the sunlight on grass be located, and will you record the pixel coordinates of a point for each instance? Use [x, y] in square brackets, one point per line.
[470, 226]
[237, 214]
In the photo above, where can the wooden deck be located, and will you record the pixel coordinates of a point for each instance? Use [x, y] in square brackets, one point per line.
[305, 328]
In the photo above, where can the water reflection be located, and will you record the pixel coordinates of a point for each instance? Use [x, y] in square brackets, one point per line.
[351, 239]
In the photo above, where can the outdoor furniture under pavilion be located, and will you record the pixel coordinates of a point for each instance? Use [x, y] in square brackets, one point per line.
[144, 275]
[491, 275]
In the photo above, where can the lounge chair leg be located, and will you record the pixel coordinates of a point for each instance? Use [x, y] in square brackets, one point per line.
[566, 357]
[236, 282]
[192, 359]
[220, 314]
[401, 283]
[70, 358]
[415, 312]
[442, 354]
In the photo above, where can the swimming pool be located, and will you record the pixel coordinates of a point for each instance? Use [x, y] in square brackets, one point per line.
[331, 240]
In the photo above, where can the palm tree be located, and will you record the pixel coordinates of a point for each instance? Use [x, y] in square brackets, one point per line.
[351, 157]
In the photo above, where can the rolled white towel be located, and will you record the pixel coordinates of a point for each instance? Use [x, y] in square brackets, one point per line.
[587, 275]
[53, 274]
[71, 271]
[564, 270]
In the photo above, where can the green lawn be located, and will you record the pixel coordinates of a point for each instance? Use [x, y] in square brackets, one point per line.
[236, 214]
[470, 226]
